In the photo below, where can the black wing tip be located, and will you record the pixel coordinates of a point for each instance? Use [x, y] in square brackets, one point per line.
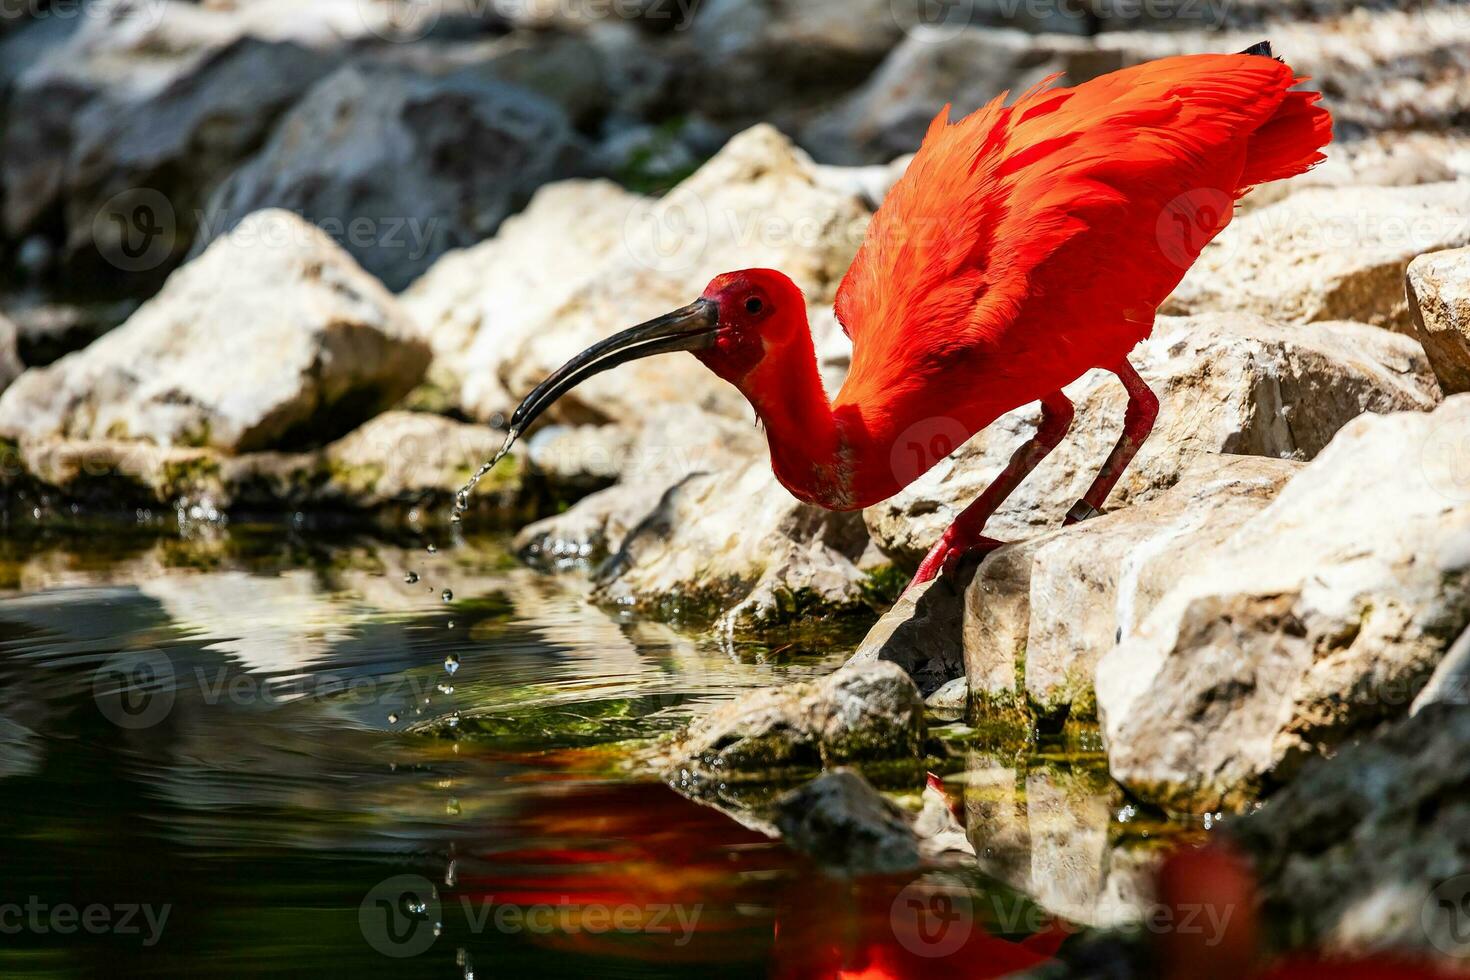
[1262, 49]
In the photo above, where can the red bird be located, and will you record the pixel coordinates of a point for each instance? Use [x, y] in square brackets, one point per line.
[1025, 245]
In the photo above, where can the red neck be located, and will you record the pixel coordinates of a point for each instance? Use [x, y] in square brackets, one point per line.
[807, 446]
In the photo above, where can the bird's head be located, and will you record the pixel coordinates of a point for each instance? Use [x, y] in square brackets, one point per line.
[741, 319]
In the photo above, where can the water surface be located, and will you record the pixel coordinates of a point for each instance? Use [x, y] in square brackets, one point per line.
[273, 750]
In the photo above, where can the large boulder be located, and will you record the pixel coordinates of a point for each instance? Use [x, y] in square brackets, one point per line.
[1316, 620]
[1327, 254]
[935, 67]
[1028, 627]
[274, 338]
[1367, 852]
[1439, 301]
[477, 304]
[1231, 384]
[401, 167]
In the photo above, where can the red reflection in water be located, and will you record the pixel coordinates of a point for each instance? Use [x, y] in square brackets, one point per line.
[638, 872]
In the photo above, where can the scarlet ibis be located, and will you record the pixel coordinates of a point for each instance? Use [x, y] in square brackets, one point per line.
[1025, 245]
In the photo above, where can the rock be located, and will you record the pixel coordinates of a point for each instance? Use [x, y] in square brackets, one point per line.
[1090, 588]
[1439, 302]
[673, 444]
[1028, 628]
[414, 459]
[1386, 69]
[476, 304]
[1227, 383]
[125, 124]
[849, 828]
[868, 712]
[1450, 682]
[952, 701]
[924, 633]
[10, 363]
[935, 67]
[1317, 619]
[273, 338]
[47, 330]
[396, 464]
[401, 167]
[845, 824]
[1367, 851]
[758, 203]
[1327, 254]
[732, 542]
[757, 56]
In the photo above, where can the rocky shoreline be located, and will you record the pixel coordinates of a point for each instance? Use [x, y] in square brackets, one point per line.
[325, 252]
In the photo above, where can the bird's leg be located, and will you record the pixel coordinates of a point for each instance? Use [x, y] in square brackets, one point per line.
[1138, 422]
[964, 535]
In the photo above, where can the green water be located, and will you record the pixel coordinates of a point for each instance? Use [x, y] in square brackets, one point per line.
[244, 753]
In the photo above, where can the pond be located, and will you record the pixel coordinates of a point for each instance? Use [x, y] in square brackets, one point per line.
[277, 749]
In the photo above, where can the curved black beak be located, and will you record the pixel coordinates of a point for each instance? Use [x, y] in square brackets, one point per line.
[692, 328]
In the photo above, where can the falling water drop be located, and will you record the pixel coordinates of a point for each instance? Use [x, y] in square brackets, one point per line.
[451, 664]
[462, 498]
[433, 550]
[393, 718]
[451, 624]
[454, 720]
[412, 578]
[447, 595]
[446, 688]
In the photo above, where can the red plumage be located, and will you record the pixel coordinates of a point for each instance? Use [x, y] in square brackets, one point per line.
[1029, 243]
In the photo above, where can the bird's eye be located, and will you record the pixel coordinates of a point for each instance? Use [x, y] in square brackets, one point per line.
[753, 306]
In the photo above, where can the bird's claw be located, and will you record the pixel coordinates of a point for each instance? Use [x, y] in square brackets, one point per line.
[946, 555]
[1081, 511]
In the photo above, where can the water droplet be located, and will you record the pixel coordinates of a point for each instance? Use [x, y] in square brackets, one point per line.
[451, 624]
[446, 689]
[447, 595]
[433, 550]
[452, 807]
[454, 720]
[412, 578]
[451, 664]
[393, 718]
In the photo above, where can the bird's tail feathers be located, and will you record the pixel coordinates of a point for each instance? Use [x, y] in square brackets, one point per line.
[1290, 142]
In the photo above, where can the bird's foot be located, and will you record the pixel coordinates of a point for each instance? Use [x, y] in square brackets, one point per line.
[1081, 511]
[947, 554]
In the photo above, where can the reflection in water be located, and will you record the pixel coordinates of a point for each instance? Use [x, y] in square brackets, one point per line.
[266, 733]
